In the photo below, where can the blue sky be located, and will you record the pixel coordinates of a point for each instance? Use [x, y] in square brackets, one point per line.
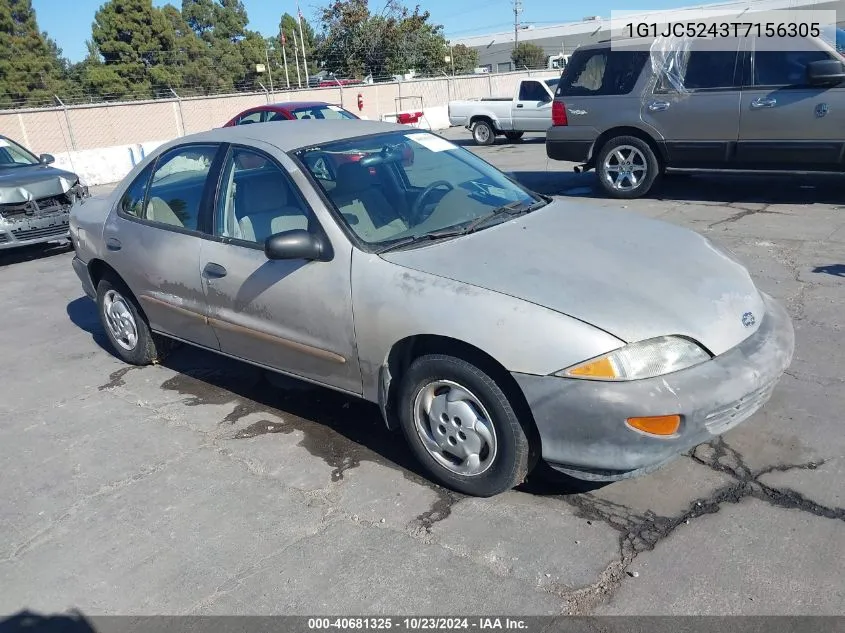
[69, 21]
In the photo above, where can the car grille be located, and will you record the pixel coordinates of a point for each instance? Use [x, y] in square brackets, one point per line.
[720, 420]
[3, 238]
[46, 231]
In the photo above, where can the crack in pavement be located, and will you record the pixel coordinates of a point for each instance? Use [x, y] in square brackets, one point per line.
[30, 543]
[640, 532]
[744, 212]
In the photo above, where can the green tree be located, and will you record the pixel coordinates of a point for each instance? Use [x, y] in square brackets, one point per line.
[191, 60]
[528, 55]
[357, 42]
[233, 49]
[464, 58]
[137, 46]
[31, 67]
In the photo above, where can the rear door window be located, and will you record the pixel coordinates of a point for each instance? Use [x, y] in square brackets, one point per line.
[705, 65]
[177, 186]
[601, 71]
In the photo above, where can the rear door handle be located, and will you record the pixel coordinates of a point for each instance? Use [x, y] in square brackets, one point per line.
[213, 271]
[658, 106]
[113, 244]
[760, 102]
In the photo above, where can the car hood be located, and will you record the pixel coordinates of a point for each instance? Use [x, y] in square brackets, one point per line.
[631, 276]
[32, 182]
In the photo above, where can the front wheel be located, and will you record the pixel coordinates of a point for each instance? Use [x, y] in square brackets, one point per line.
[461, 426]
[626, 167]
[483, 133]
[513, 136]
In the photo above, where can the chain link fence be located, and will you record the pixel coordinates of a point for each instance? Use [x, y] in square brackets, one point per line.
[102, 141]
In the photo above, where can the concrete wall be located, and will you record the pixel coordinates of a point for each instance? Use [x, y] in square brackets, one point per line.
[102, 142]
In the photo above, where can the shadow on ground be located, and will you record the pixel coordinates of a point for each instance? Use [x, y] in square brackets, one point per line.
[727, 189]
[29, 622]
[20, 254]
[500, 140]
[82, 312]
[339, 429]
[837, 270]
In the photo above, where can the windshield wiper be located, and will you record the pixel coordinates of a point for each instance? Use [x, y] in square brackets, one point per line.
[512, 209]
[425, 237]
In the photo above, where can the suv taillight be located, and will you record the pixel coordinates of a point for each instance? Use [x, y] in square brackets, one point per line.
[559, 113]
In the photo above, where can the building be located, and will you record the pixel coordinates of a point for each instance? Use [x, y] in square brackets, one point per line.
[494, 50]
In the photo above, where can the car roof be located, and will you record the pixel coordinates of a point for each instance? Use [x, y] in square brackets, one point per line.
[290, 105]
[294, 134]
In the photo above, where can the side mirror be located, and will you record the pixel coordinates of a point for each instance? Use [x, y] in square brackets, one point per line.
[47, 159]
[297, 244]
[825, 71]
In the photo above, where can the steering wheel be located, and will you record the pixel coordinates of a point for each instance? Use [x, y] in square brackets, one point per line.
[416, 210]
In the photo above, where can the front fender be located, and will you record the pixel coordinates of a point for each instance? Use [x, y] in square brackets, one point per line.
[392, 303]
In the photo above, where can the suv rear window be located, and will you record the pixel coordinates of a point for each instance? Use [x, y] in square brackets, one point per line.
[601, 71]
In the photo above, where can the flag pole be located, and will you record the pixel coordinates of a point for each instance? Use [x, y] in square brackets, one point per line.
[302, 39]
[296, 56]
[285, 59]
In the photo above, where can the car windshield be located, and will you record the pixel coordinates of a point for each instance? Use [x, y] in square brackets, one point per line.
[396, 187]
[321, 112]
[835, 36]
[14, 155]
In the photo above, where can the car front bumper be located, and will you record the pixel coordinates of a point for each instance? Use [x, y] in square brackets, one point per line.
[35, 230]
[582, 422]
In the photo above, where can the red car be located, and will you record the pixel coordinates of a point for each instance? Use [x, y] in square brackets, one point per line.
[290, 111]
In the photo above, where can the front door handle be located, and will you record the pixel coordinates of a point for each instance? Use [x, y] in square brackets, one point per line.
[518, 105]
[213, 271]
[761, 102]
[113, 244]
[658, 106]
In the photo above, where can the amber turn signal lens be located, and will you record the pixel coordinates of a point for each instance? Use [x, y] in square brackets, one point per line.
[601, 368]
[657, 424]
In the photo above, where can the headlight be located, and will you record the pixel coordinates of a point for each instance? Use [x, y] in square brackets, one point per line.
[644, 359]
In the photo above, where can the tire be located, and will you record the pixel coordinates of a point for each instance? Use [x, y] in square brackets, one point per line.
[501, 463]
[483, 133]
[148, 348]
[513, 137]
[638, 156]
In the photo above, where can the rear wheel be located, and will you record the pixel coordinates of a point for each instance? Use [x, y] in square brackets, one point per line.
[483, 133]
[461, 426]
[626, 167]
[125, 326]
[513, 136]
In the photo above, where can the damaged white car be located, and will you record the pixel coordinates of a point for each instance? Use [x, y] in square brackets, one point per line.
[35, 198]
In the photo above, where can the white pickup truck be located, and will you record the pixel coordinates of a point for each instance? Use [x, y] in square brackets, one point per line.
[529, 110]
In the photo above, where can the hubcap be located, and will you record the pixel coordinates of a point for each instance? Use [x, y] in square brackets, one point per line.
[455, 428]
[120, 321]
[482, 133]
[625, 168]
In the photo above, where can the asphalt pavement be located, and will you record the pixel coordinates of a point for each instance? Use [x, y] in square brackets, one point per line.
[204, 486]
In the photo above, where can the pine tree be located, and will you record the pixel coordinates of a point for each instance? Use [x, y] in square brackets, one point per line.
[138, 49]
[31, 68]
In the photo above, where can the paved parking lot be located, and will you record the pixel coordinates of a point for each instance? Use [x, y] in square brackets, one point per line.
[204, 486]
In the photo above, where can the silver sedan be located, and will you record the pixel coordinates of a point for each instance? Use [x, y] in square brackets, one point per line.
[493, 325]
